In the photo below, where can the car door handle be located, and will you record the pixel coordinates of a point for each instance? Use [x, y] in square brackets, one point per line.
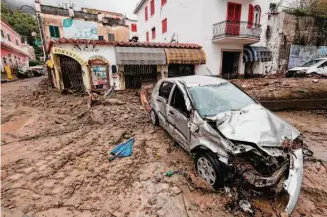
[159, 100]
[171, 112]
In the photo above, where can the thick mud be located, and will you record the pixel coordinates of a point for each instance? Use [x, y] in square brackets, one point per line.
[55, 161]
[284, 88]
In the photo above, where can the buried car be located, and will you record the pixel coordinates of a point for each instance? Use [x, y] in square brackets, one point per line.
[230, 134]
[315, 66]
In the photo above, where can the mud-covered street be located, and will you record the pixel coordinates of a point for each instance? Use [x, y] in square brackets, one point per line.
[54, 157]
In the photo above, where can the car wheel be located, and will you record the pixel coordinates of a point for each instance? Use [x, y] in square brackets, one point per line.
[154, 118]
[208, 168]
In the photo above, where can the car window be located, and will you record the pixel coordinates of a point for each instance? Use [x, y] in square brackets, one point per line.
[165, 89]
[323, 65]
[178, 101]
[310, 63]
[211, 100]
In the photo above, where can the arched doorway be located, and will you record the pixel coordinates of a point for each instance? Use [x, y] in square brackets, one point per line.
[71, 72]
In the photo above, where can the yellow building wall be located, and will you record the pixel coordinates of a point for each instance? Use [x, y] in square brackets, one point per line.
[120, 32]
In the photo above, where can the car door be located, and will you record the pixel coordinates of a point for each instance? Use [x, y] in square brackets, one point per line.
[161, 100]
[178, 117]
[322, 69]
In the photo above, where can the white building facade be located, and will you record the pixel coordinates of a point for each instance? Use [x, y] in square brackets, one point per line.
[222, 27]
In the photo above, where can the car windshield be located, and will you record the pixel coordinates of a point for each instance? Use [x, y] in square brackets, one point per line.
[310, 63]
[211, 100]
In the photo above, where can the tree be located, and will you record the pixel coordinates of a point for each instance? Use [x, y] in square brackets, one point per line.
[22, 23]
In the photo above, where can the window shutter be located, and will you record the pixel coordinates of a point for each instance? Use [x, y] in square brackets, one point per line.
[52, 34]
[134, 28]
[146, 13]
[250, 16]
[153, 33]
[57, 32]
[152, 7]
[164, 25]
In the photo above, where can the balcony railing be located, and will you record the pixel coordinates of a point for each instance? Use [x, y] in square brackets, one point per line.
[236, 29]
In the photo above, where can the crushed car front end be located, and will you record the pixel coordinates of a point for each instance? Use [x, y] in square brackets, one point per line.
[254, 146]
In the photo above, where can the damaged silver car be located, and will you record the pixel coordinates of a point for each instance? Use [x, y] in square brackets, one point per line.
[230, 134]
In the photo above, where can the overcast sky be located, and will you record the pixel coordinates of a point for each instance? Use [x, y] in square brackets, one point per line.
[121, 6]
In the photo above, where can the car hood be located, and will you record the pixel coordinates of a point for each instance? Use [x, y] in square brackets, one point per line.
[257, 125]
[298, 68]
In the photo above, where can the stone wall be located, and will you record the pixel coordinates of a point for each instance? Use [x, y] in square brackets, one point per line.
[288, 29]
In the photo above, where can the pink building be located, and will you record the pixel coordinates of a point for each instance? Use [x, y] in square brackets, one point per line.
[12, 50]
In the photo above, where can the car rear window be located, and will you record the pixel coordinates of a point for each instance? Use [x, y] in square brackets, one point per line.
[165, 89]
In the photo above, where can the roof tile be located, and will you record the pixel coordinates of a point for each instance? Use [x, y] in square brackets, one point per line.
[124, 44]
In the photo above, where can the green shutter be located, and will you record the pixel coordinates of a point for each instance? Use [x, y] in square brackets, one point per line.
[57, 32]
[54, 31]
[52, 34]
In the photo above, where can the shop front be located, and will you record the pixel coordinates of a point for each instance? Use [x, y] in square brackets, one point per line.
[93, 65]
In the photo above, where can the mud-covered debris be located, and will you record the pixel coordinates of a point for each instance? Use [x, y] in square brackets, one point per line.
[176, 190]
[245, 206]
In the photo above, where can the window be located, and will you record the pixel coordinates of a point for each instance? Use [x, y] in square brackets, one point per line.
[163, 2]
[111, 37]
[165, 89]
[134, 27]
[2, 34]
[8, 36]
[153, 33]
[101, 37]
[147, 37]
[152, 7]
[16, 42]
[146, 13]
[164, 25]
[54, 31]
[178, 102]
[257, 15]
[250, 16]
[4, 60]
[323, 65]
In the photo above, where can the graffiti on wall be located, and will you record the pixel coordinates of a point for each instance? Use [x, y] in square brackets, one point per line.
[300, 54]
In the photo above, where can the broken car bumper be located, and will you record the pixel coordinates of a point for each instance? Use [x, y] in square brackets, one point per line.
[294, 182]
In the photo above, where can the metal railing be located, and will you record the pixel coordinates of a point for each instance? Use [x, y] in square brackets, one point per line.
[236, 29]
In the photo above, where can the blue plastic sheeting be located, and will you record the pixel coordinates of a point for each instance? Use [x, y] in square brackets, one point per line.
[124, 149]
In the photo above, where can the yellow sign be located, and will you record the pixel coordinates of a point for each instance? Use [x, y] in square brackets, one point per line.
[99, 57]
[69, 53]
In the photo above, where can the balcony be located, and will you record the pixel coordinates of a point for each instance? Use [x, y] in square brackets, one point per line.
[236, 32]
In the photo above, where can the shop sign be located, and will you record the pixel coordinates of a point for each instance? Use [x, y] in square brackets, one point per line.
[80, 29]
[99, 75]
[99, 57]
[69, 53]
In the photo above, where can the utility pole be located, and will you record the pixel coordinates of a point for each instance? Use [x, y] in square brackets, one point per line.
[38, 20]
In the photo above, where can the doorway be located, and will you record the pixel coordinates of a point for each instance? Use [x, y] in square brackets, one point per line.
[177, 70]
[230, 64]
[135, 75]
[233, 18]
[72, 75]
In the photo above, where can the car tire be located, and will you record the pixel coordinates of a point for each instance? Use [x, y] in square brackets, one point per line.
[207, 166]
[154, 118]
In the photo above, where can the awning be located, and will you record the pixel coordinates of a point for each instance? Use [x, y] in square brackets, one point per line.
[140, 56]
[253, 53]
[185, 56]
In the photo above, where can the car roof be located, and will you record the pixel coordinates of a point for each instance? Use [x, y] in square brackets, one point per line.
[324, 58]
[201, 80]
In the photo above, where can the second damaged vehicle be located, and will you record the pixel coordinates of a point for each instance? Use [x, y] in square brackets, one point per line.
[230, 134]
